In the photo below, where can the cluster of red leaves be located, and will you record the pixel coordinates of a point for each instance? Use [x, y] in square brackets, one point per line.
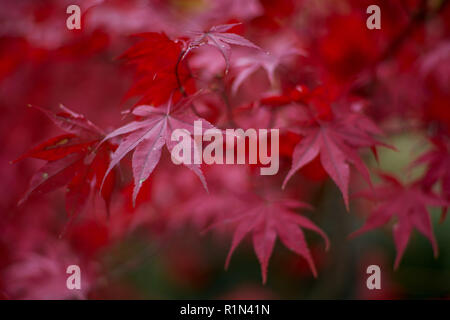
[325, 128]
[73, 161]
[156, 58]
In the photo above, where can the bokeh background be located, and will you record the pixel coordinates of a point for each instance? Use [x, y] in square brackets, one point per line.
[157, 250]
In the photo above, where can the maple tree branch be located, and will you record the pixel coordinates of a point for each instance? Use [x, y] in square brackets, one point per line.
[195, 111]
[226, 100]
[177, 75]
[180, 85]
[229, 109]
[420, 16]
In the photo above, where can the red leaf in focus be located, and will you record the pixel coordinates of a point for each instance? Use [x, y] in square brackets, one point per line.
[147, 137]
[219, 38]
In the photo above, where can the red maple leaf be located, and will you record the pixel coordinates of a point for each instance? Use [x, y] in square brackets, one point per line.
[438, 170]
[268, 219]
[147, 137]
[267, 61]
[219, 38]
[73, 161]
[336, 138]
[408, 203]
[156, 57]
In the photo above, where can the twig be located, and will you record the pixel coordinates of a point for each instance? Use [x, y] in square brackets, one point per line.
[177, 75]
[416, 20]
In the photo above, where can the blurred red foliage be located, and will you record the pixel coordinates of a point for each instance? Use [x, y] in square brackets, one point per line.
[313, 71]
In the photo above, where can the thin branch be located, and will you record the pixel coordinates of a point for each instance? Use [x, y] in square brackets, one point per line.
[420, 16]
[226, 100]
[177, 75]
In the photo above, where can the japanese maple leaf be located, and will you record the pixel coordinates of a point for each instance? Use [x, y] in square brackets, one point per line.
[71, 162]
[266, 220]
[147, 137]
[438, 170]
[219, 38]
[336, 141]
[408, 203]
[155, 58]
[267, 61]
